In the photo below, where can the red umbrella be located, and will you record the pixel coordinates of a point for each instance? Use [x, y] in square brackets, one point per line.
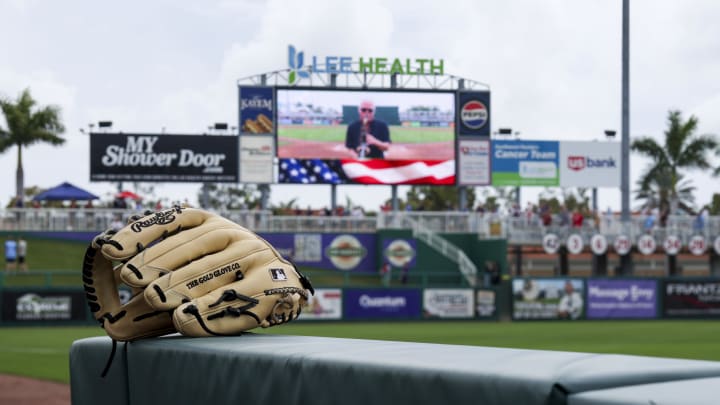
[128, 194]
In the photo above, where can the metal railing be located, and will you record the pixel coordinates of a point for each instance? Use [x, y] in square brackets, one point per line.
[517, 230]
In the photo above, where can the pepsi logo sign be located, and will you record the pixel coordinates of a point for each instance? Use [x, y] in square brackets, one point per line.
[474, 114]
[576, 163]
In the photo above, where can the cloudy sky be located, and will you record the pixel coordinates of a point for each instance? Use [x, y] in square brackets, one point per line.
[553, 66]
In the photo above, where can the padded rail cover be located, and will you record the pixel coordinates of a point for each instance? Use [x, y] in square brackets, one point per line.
[275, 369]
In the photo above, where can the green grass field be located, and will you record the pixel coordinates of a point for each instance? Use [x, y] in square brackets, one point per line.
[337, 134]
[43, 352]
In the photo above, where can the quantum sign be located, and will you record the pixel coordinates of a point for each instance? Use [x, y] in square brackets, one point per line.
[383, 303]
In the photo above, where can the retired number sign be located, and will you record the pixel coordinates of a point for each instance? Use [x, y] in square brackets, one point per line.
[697, 245]
[672, 245]
[551, 243]
[646, 244]
[598, 244]
[622, 245]
[575, 244]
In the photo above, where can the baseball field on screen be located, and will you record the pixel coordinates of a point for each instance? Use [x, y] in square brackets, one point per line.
[42, 352]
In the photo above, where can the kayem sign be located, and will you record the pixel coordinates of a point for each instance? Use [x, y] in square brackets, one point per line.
[163, 158]
[590, 164]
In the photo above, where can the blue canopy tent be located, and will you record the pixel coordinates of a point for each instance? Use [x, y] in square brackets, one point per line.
[65, 192]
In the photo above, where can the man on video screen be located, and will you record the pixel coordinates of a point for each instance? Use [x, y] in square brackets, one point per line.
[367, 137]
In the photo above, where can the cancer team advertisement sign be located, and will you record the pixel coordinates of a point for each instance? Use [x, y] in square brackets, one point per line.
[325, 304]
[621, 299]
[556, 298]
[448, 303]
[525, 163]
[691, 299]
[256, 110]
[334, 251]
[589, 164]
[43, 306]
[384, 303]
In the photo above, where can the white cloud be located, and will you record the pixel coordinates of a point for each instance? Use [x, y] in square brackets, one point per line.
[553, 66]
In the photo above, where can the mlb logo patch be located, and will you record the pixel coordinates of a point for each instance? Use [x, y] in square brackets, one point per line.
[278, 275]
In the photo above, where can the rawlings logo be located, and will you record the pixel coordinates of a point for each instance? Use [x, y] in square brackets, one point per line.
[160, 218]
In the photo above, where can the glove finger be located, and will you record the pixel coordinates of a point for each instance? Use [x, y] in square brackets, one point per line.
[212, 271]
[264, 298]
[134, 320]
[177, 251]
[138, 235]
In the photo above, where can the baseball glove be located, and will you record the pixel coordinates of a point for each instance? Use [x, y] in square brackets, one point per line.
[189, 271]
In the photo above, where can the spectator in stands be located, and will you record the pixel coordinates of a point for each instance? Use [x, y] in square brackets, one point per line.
[563, 216]
[10, 254]
[571, 304]
[649, 223]
[577, 219]
[367, 137]
[700, 220]
[21, 254]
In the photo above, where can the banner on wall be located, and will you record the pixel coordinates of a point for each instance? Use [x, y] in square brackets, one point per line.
[325, 304]
[400, 252]
[383, 303]
[256, 110]
[558, 298]
[43, 305]
[447, 303]
[691, 299]
[589, 164]
[335, 251]
[256, 159]
[473, 162]
[621, 299]
[474, 113]
[525, 163]
[163, 158]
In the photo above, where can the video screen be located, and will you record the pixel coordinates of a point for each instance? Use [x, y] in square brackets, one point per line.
[366, 137]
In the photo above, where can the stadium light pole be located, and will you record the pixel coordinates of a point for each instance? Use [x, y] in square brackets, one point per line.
[625, 260]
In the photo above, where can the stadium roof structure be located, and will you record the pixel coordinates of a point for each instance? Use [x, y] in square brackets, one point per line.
[365, 80]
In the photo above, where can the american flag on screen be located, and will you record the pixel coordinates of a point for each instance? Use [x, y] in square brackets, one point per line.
[309, 171]
[379, 171]
[371, 171]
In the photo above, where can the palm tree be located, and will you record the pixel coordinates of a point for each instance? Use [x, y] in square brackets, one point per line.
[25, 126]
[682, 150]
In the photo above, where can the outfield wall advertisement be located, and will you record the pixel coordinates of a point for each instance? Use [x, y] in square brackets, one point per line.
[390, 303]
[325, 304]
[621, 299]
[335, 251]
[448, 303]
[256, 110]
[43, 305]
[557, 298]
[691, 299]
